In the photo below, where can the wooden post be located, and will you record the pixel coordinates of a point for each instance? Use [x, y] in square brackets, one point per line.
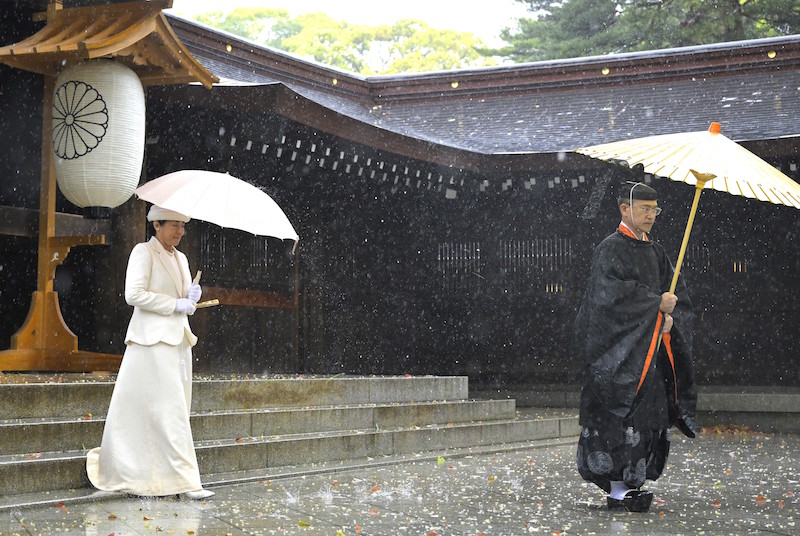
[44, 342]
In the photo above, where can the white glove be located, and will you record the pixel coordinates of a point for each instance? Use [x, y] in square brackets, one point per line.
[184, 305]
[194, 292]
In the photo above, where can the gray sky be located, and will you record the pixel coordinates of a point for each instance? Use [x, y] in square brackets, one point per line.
[484, 19]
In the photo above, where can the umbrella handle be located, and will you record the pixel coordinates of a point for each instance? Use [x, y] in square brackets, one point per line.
[702, 178]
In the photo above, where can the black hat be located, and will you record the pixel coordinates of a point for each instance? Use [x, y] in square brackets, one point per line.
[636, 190]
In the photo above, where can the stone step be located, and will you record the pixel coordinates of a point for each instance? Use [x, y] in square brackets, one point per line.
[71, 497]
[47, 471]
[763, 408]
[90, 395]
[29, 436]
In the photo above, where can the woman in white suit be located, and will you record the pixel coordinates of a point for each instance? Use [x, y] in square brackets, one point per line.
[147, 446]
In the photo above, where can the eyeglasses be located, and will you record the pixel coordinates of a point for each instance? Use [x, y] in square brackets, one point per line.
[649, 210]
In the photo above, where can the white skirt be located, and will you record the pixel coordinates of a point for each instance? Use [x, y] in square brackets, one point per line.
[147, 446]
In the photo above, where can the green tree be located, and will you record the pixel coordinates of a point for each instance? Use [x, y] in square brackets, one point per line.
[330, 42]
[404, 47]
[413, 46]
[267, 26]
[574, 28]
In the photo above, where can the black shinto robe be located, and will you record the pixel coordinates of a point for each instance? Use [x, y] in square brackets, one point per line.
[616, 333]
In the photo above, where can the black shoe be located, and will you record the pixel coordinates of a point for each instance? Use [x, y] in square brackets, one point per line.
[635, 501]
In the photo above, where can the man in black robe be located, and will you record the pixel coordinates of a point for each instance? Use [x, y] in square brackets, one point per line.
[634, 338]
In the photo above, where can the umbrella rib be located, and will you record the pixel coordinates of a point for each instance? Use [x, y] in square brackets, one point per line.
[738, 171]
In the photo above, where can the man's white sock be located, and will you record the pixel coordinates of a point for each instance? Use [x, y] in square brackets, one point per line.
[618, 489]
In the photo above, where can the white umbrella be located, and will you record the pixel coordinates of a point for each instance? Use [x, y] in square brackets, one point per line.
[702, 159]
[221, 199]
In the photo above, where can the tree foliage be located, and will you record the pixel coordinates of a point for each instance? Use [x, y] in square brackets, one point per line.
[404, 47]
[574, 28]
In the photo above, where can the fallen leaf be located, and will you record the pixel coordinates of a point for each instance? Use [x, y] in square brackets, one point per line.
[433, 533]
[87, 416]
[491, 479]
[112, 517]
[302, 523]
[239, 439]
[145, 518]
[761, 500]
[716, 503]
[373, 512]
[358, 529]
[376, 488]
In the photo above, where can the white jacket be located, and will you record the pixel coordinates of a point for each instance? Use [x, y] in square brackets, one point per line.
[152, 290]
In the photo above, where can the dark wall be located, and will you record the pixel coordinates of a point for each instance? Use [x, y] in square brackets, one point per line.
[398, 277]
[406, 267]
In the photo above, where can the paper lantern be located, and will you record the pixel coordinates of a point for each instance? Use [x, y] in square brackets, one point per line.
[98, 134]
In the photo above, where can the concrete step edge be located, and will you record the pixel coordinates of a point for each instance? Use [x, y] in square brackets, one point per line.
[30, 435]
[266, 410]
[68, 468]
[72, 497]
[50, 456]
[363, 431]
[76, 399]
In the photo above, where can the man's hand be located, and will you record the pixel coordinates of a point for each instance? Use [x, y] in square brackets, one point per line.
[668, 302]
[667, 324]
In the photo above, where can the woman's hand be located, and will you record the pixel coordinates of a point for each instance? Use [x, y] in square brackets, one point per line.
[184, 305]
[194, 292]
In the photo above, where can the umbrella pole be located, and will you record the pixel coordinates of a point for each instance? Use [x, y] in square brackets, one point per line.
[702, 178]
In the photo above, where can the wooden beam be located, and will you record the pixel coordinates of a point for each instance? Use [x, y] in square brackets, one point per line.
[251, 298]
[18, 221]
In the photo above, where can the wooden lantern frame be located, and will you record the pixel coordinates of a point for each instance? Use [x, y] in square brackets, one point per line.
[138, 35]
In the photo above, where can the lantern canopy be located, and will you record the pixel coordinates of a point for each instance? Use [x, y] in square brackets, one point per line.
[98, 134]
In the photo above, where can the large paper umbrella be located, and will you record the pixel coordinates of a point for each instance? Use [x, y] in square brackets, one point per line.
[702, 159]
[221, 199]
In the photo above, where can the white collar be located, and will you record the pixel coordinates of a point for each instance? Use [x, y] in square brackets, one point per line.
[631, 230]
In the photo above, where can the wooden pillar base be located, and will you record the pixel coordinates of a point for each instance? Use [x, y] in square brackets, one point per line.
[45, 343]
[52, 361]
